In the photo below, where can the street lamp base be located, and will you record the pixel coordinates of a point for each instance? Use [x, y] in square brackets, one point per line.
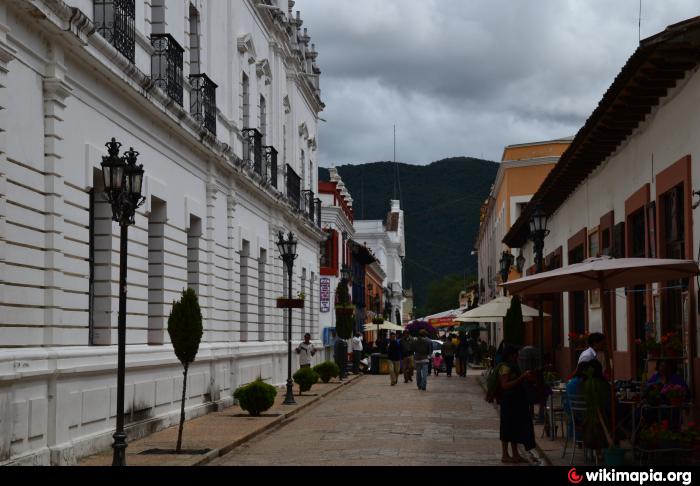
[119, 446]
[289, 398]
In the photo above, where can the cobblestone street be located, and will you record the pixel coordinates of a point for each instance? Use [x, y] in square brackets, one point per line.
[373, 423]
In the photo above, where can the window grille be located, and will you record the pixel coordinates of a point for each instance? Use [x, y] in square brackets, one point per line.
[203, 101]
[166, 65]
[114, 20]
[252, 149]
[271, 159]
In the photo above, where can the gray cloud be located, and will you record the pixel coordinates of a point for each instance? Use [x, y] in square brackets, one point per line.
[467, 77]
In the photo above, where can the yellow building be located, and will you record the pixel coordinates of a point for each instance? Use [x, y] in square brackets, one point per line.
[522, 170]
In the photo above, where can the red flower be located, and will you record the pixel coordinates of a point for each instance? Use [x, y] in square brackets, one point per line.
[664, 424]
[638, 341]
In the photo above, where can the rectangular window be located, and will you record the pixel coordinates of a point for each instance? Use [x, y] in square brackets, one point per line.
[673, 213]
[327, 250]
[156, 272]
[115, 20]
[203, 101]
[577, 299]
[166, 65]
[195, 65]
[261, 294]
[303, 168]
[303, 310]
[244, 293]
[101, 271]
[593, 251]
[293, 187]
[263, 119]
[245, 101]
[194, 238]
[638, 234]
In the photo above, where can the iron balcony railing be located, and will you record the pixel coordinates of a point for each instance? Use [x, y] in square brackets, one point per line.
[166, 65]
[271, 163]
[114, 20]
[293, 187]
[253, 150]
[309, 204]
[203, 101]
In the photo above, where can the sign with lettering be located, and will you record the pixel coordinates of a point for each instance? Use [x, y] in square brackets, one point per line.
[325, 293]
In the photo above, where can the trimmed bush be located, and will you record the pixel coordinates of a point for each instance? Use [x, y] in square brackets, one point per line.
[256, 397]
[344, 318]
[513, 327]
[305, 378]
[327, 371]
[185, 330]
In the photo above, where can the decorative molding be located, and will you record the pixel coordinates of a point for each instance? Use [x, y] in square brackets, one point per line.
[303, 130]
[195, 208]
[287, 105]
[262, 69]
[245, 45]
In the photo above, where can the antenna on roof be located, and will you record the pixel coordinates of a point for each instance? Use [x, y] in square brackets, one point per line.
[640, 21]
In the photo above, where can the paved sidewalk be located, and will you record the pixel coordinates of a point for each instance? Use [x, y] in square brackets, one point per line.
[218, 431]
[373, 423]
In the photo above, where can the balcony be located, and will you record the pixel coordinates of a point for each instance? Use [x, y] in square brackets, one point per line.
[271, 162]
[166, 65]
[318, 212]
[114, 20]
[293, 187]
[308, 204]
[203, 101]
[253, 150]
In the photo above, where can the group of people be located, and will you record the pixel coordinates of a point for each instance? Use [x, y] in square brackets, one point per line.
[409, 353]
[513, 384]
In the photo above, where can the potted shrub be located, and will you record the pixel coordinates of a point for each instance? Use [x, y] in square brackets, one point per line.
[185, 330]
[256, 397]
[305, 378]
[327, 370]
[650, 346]
[674, 394]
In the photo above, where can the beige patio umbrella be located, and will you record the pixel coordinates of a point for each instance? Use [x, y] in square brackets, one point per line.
[604, 273]
[386, 325]
[495, 311]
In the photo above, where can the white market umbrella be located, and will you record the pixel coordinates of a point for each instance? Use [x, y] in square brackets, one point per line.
[385, 326]
[495, 311]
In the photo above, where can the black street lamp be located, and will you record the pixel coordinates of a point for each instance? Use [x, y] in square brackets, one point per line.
[538, 232]
[506, 262]
[288, 253]
[345, 273]
[123, 180]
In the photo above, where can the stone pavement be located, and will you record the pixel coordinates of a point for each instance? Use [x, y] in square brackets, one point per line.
[373, 423]
[220, 431]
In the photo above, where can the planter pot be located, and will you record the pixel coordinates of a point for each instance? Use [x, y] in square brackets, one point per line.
[290, 303]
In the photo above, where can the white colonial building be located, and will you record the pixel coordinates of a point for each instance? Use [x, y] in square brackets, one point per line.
[221, 99]
[388, 245]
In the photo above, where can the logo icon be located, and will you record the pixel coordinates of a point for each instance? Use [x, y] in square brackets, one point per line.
[574, 477]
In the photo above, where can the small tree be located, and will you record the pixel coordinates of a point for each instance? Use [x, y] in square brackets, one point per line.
[513, 329]
[185, 330]
[343, 312]
[305, 378]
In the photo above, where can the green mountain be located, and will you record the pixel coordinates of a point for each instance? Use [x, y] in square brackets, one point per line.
[441, 204]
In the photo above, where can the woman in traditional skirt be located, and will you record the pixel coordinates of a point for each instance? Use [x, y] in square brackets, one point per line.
[516, 419]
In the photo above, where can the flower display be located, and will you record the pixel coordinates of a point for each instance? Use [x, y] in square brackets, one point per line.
[672, 344]
[578, 340]
[675, 394]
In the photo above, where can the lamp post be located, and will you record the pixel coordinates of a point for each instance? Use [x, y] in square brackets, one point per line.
[538, 232]
[520, 262]
[123, 180]
[288, 253]
[506, 262]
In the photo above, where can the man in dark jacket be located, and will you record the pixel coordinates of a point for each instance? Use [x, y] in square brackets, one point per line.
[407, 343]
[394, 353]
[463, 353]
[340, 354]
[422, 354]
[448, 351]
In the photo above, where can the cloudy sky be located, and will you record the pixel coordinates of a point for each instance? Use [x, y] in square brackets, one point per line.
[467, 77]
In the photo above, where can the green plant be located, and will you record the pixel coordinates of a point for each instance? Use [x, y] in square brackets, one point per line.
[185, 330]
[256, 397]
[378, 320]
[327, 370]
[513, 328]
[305, 378]
[301, 295]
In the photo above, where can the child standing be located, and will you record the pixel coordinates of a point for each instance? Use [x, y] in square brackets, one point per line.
[437, 363]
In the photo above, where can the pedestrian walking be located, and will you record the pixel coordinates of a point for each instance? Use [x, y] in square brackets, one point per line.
[516, 418]
[423, 351]
[463, 354]
[394, 353]
[356, 344]
[306, 350]
[438, 361]
[448, 352]
[407, 343]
